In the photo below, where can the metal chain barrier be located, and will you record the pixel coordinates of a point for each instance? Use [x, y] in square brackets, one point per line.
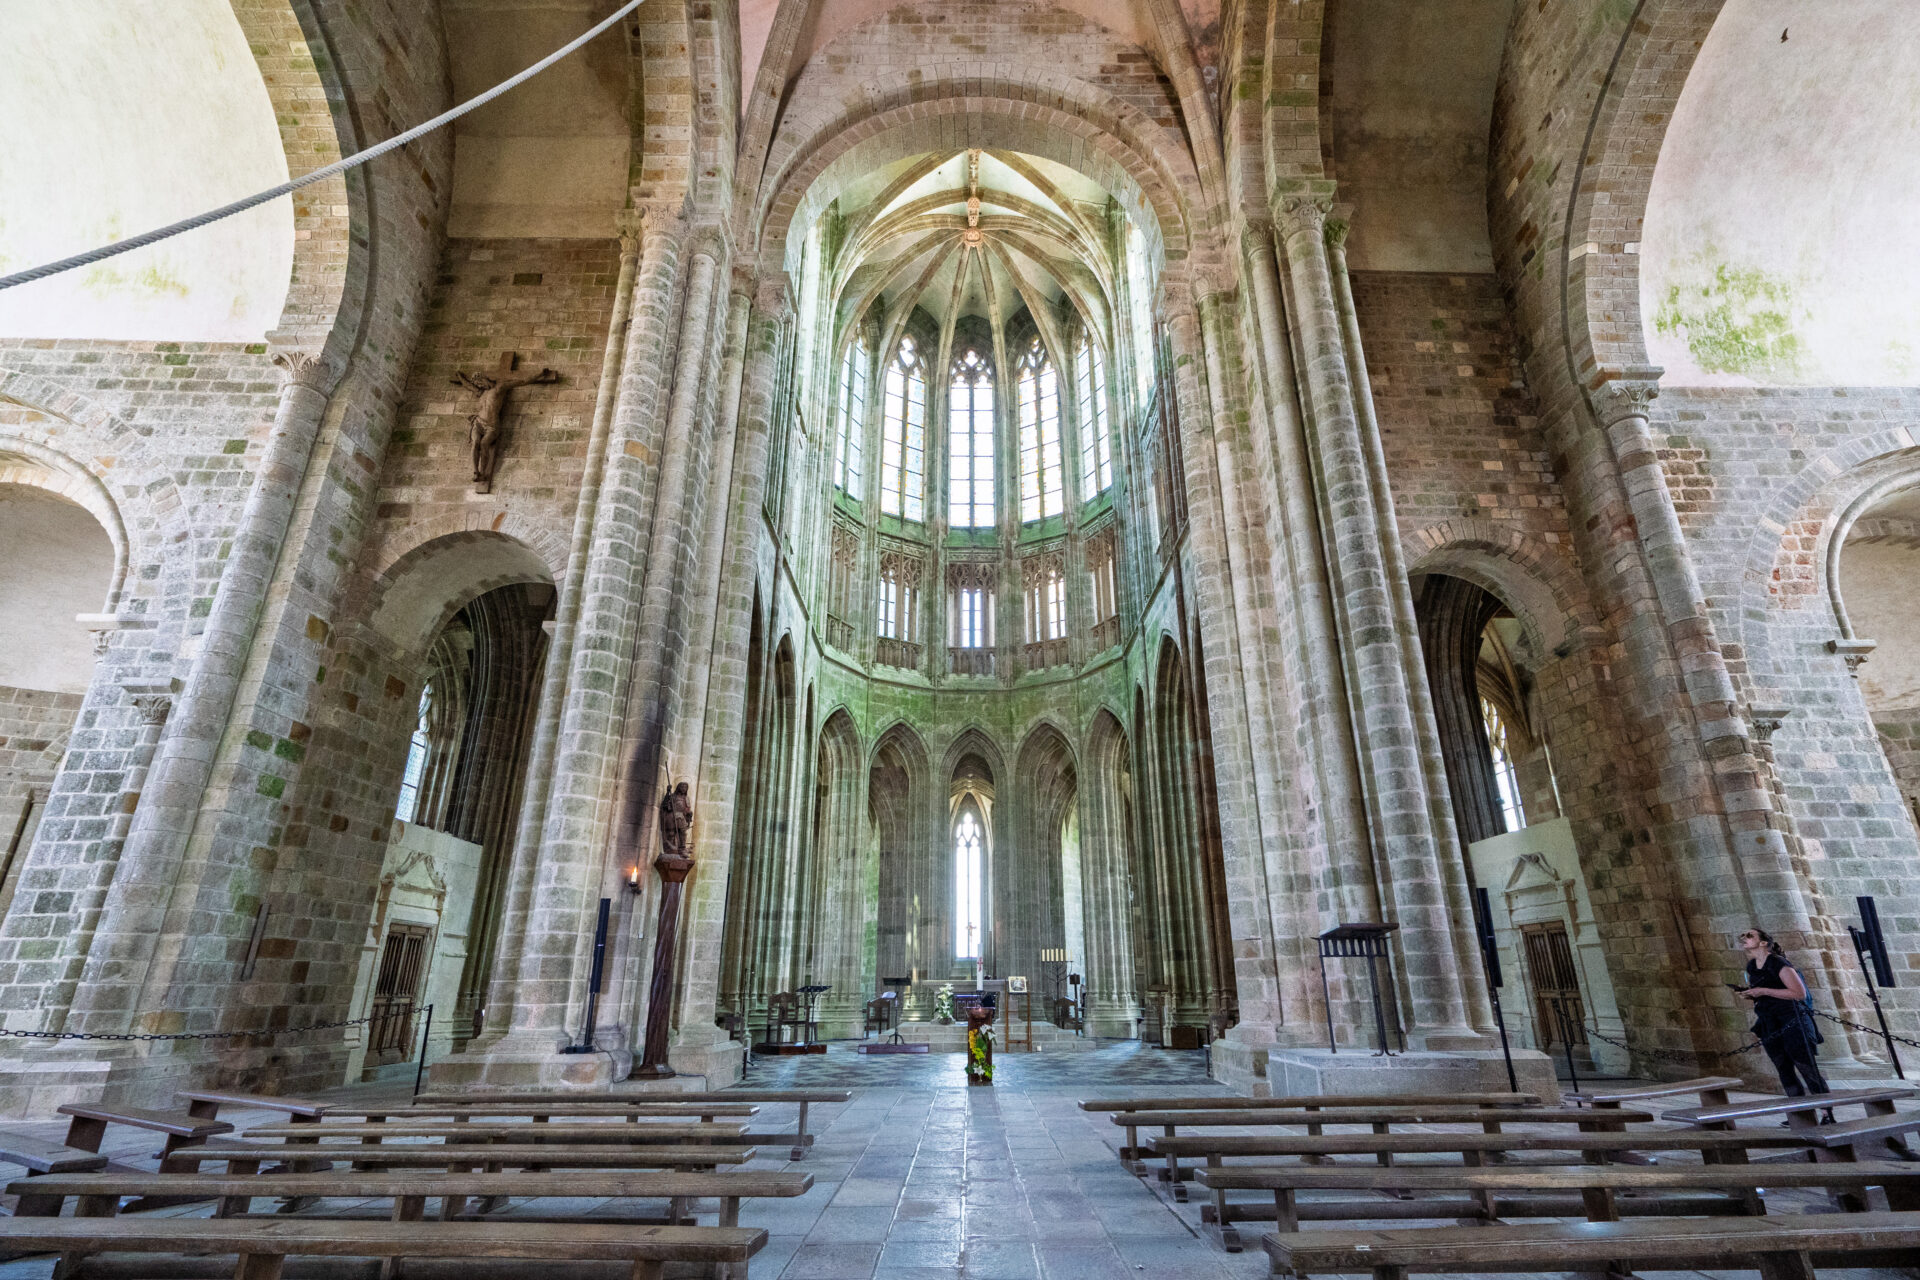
[1872, 1031]
[204, 1035]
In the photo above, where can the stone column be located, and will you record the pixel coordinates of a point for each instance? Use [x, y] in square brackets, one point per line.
[1756, 837]
[133, 919]
[548, 940]
[658, 648]
[1407, 853]
[699, 1049]
[1450, 857]
[1343, 814]
[566, 621]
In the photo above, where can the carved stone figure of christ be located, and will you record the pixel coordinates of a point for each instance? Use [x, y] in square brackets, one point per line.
[483, 424]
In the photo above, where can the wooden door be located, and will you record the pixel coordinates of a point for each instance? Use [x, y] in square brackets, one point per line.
[1552, 974]
[396, 991]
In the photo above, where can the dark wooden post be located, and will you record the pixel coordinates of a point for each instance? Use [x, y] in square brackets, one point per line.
[673, 872]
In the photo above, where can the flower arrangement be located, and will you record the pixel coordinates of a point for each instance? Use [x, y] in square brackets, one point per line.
[980, 1055]
[943, 1005]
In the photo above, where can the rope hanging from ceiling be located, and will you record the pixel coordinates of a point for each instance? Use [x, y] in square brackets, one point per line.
[339, 166]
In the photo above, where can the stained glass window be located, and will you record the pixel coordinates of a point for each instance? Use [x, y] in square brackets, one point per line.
[970, 442]
[1096, 438]
[1039, 399]
[903, 436]
[851, 440]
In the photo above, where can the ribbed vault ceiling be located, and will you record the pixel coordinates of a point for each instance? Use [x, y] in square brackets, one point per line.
[976, 233]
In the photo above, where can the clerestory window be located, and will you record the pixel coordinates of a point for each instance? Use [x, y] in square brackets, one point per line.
[1041, 494]
[1096, 438]
[967, 840]
[970, 442]
[419, 747]
[1505, 776]
[849, 442]
[903, 436]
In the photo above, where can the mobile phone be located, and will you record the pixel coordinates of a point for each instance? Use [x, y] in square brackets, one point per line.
[1736, 986]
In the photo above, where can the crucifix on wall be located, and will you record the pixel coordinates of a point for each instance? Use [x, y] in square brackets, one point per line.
[483, 424]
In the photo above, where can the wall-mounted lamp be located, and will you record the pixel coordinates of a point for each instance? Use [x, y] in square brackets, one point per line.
[633, 878]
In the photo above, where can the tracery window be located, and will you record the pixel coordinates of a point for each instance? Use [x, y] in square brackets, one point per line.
[898, 613]
[419, 747]
[903, 436]
[970, 641]
[1506, 776]
[1103, 589]
[1096, 438]
[1140, 298]
[1045, 583]
[967, 839]
[850, 440]
[970, 442]
[1041, 494]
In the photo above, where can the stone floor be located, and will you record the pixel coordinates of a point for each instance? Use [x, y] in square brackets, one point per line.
[920, 1177]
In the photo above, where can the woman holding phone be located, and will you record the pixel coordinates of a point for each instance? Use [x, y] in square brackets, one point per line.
[1779, 1017]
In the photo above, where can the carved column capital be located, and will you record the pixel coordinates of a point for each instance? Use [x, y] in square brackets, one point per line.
[1299, 215]
[313, 369]
[773, 297]
[153, 699]
[1767, 720]
[631, 226]
[1627, 391]
[1853, 652]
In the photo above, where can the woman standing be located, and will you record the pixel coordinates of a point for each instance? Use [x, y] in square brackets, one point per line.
[1780, 1020]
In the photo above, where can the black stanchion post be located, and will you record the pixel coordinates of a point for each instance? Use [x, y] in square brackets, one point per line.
[1869, 941]
[1490, 957]
[593, 980]
[419, 1072]
[1566, 1039]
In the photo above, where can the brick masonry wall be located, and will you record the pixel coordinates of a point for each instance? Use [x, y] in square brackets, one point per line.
[548, 300]
[1456, 418]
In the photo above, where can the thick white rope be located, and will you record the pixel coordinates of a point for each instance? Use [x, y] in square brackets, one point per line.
[338, 166]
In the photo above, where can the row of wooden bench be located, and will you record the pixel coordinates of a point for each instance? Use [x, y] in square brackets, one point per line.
[1497, 1179]
[470, 1152]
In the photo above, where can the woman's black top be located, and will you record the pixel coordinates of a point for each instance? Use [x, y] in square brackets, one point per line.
[1771, 1011]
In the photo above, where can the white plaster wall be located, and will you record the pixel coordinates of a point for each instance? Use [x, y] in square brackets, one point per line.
[433, 878]
[55, 562]
[1880, 582]
[1782, 236]
[1533, 875]
[120, 116]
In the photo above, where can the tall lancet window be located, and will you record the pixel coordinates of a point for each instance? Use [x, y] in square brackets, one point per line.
[1096, 438]
[970, 442]
[967, 840]
[1039, 386]
[1505, 776]
[903, 436]
[850, 441]
[418, 749]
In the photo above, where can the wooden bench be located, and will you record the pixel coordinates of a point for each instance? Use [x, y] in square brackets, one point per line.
[1130, 1154]
[803, 1097]
[1782, 1247]
[100, 1195]
[1380, 1119]
[89, 1126]
[1480, 1149]
[1711, 1090]
[205, 1104]
[482, 1133]
[42, 1158]
[1800, 1111]
[634, 1111]
[263, 1244]
[1603, 1193]
[243, 1157]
